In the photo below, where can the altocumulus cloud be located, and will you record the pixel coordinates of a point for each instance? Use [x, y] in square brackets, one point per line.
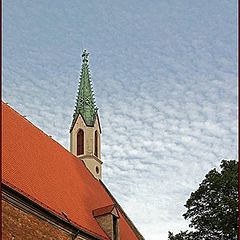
[164, 75]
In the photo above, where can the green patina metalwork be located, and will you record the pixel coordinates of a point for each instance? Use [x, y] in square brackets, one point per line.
[85, 102]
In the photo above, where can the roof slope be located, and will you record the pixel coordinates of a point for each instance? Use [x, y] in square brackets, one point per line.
[35, 164]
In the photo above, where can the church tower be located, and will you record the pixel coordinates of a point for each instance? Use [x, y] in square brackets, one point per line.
[85, 130]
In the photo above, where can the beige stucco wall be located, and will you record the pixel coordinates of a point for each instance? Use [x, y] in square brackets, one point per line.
[90, 160]
[91, 163]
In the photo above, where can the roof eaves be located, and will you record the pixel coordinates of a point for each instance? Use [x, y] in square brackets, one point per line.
[103, 210]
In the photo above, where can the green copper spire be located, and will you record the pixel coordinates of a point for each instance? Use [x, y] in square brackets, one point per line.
[85, 102]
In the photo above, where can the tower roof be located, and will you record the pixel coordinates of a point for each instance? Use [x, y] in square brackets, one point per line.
[85, 102]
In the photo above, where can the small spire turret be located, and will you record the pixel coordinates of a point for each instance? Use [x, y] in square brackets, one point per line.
[85, 140]
[85, 101]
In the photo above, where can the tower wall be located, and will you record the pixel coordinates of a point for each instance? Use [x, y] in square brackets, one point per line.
[92, 162]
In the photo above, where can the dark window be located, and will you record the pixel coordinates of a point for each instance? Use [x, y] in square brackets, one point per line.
[115, 228]
[80, 142]
[96, 144]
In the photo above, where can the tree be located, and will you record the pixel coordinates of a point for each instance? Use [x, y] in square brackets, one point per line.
[183, 236]
[213, 208]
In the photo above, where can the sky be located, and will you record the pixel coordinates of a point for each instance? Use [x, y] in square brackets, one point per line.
[165, 81]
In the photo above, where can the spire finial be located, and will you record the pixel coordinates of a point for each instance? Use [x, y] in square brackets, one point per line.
[85, 56]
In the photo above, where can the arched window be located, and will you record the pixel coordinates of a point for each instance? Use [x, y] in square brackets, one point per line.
[96, 144]
[80, 142]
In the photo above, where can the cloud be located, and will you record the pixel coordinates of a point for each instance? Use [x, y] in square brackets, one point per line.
[164, 76]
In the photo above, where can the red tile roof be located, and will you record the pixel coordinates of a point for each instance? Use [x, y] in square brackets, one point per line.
[41, 169]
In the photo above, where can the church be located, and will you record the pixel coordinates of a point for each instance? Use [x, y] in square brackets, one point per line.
[51, 193]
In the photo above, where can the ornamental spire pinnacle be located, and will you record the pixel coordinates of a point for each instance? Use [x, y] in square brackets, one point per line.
[85, 56]
[85, 102]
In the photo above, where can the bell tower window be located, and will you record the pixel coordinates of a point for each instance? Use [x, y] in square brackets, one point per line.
[80, 142]
[96, 144]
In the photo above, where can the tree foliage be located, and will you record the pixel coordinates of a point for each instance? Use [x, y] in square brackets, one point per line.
[213, 208]
[183, 236]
